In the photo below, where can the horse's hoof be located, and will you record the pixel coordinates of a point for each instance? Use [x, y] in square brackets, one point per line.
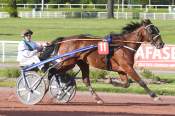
[100, 101]
[153, 95]
[157, 99]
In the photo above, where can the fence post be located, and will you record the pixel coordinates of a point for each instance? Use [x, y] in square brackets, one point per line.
[81, 15]
[156, 8]
[164, 16]
[117, 15]
[3, 51]
[106, 6]
[82, 6]
[145, 16]
[146, 8]
[40, 15]
[70, 7]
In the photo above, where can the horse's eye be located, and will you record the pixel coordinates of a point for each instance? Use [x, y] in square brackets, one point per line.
[154, 30]
[157, 29]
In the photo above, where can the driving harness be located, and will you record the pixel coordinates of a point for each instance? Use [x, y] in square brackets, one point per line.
[108, 39]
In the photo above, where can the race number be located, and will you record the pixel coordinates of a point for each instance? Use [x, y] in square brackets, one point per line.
[103, 48]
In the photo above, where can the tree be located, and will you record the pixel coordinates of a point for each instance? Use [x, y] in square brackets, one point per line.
[12, 8]
[110, 8]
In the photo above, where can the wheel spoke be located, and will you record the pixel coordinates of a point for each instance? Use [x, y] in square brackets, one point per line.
[53, 86]
[68, 93]
[28, 96]
[35, 83]
[21, 89]
[37, 92]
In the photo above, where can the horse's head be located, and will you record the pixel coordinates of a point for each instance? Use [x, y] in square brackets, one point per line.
[47, 51]
[152, 34]
[51, 49]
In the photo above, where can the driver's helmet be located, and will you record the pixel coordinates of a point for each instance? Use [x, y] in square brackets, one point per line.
[26, 32]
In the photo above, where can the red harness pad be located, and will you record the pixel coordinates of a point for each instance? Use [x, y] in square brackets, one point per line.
[103, 48]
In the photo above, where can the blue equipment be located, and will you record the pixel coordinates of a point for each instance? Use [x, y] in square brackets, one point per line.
[31, 87]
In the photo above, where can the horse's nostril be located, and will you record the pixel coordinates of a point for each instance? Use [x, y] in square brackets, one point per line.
[163, 44]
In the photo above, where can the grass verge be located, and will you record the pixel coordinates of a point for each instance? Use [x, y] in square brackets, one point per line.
[160, 89]
[49, 29]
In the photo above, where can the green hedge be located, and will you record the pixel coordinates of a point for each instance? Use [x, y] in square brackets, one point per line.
[9, 72]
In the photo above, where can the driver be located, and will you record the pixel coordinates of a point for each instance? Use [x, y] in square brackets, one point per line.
[28, 50]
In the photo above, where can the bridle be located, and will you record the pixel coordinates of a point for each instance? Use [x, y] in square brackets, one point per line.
[154, 36]
[153, 39]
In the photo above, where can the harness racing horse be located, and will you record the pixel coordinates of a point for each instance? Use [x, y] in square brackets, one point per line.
[124, 47]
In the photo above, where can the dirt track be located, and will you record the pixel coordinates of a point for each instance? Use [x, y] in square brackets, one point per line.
[84, 105]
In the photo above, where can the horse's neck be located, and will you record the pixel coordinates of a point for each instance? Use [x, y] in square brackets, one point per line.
[131, 38]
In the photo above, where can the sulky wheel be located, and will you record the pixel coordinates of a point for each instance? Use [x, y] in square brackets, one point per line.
[36, 90]
[63, 88]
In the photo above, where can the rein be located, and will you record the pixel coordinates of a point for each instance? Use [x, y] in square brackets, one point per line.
[113, 45]
[105, 40]
[99, 40]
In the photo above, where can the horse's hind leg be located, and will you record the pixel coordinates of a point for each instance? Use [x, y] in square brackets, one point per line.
[84, 67]
[123, 82]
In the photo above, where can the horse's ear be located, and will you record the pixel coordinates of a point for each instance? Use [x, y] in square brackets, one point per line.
[146, 21]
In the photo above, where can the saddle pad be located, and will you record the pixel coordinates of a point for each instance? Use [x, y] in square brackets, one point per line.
[103, 48]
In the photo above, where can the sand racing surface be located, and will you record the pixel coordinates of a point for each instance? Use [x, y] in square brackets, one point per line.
[84, 105]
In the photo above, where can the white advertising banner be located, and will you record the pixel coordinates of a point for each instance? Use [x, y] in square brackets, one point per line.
[149, 56]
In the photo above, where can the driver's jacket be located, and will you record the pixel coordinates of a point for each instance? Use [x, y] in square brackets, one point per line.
[27, 53]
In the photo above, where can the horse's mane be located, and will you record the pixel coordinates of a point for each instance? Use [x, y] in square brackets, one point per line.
[130, 27]
[58, 39]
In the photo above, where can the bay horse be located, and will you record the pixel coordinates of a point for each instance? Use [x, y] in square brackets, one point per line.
[122, 58]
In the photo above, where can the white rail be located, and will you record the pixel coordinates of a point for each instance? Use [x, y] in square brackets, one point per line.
[83, 15]
[4, 15]
[8, 51]
[82, 6]
[94, 6]
[158, 16]
[53, 14]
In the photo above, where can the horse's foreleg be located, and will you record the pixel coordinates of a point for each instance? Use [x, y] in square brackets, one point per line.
[84, 67]
[123, 82]
[136, 77]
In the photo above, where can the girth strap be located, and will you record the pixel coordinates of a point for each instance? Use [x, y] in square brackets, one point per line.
[108, 38]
